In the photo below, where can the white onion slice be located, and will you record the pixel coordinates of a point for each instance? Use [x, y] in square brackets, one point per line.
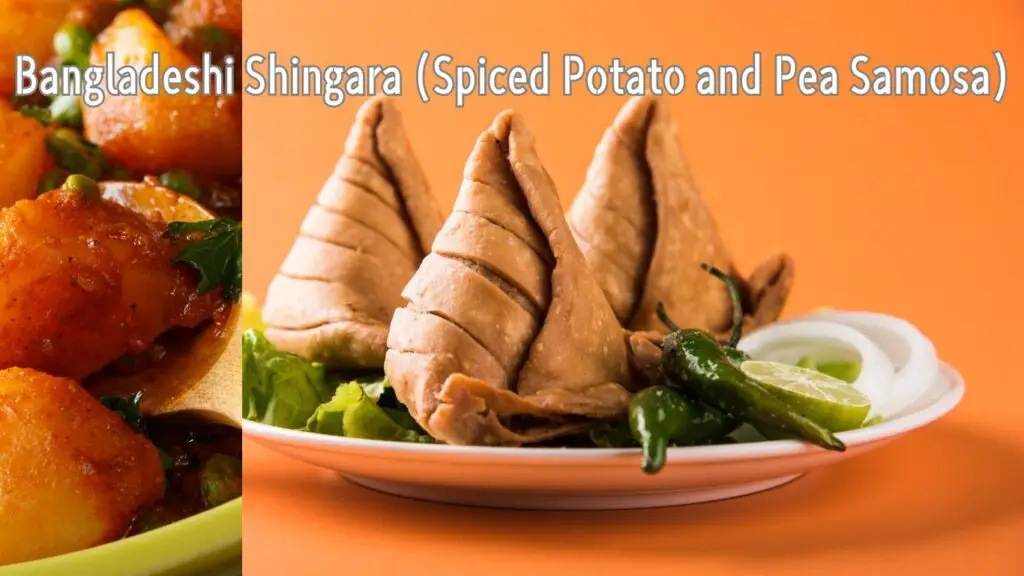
[826, 342]
[913, 355]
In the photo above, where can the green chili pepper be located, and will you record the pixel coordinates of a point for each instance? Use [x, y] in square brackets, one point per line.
[737, 303]
[735, 355]
[82, 184]
[74, 154]
[181, 182]
[661, 415]
[72, 43]
[694, 359]
[773, 432]
[66, 111]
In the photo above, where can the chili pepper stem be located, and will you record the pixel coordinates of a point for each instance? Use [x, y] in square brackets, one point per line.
[663, 316]
[737, 302]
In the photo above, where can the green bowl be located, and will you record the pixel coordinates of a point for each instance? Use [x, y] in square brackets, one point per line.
[207, 544]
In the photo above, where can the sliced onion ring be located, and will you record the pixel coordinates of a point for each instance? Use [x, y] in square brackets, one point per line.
[913, 355]
[826, 341]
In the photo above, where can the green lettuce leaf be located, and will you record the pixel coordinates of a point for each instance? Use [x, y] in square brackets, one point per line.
[279, 388]
[353, 412]
[375, 387]
[329, 417]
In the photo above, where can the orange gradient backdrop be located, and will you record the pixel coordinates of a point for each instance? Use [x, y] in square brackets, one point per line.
[910, 206]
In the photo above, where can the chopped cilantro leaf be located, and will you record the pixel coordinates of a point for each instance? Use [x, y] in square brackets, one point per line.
[38, 113]
[216, 253]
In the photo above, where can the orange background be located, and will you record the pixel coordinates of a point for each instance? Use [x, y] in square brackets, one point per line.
[910, 206]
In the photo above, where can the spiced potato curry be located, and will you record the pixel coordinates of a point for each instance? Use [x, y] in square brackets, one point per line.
[89, 287]
[96, 286]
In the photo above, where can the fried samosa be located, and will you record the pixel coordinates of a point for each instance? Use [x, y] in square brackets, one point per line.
[507, 338]
[373, 222]
[645, 231]
[84, 280]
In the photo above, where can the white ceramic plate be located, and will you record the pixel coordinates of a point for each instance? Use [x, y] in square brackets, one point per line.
[589, 479]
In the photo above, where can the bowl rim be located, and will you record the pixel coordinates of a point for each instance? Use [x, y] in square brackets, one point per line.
[206, 539]
[951, 384]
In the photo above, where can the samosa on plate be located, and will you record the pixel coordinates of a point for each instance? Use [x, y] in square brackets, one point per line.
[645, 231]
[374, 220]
[507, 337]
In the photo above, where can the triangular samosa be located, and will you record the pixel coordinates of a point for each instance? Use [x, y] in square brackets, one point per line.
[507, 337]
[374, 220]
[645, 231]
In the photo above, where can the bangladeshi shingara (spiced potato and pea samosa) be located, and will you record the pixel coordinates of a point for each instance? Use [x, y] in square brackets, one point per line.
[645, 231]
[504, 318]
[374, 220]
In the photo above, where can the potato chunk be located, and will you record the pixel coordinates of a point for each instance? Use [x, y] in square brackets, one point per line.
[153, 134]
[27, 27]
[84, 281]
[23, 157]
[72, 474]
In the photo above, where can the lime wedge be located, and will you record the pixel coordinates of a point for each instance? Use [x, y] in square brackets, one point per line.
[807, 362]
[874, 420]
[824, 399]
[845, 371]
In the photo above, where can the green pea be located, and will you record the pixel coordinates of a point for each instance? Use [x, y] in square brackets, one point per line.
[181, 182]
[72, 43]
[52, 180]
[83, 185]
[66, 110]
[220, 480]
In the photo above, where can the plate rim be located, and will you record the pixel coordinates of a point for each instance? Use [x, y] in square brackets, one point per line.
[200, 540]
[266, 435]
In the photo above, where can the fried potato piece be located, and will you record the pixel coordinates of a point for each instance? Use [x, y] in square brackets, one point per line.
[153, 134]
[27, 27]
[83, 281]
[72, 474]
[23, 157]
